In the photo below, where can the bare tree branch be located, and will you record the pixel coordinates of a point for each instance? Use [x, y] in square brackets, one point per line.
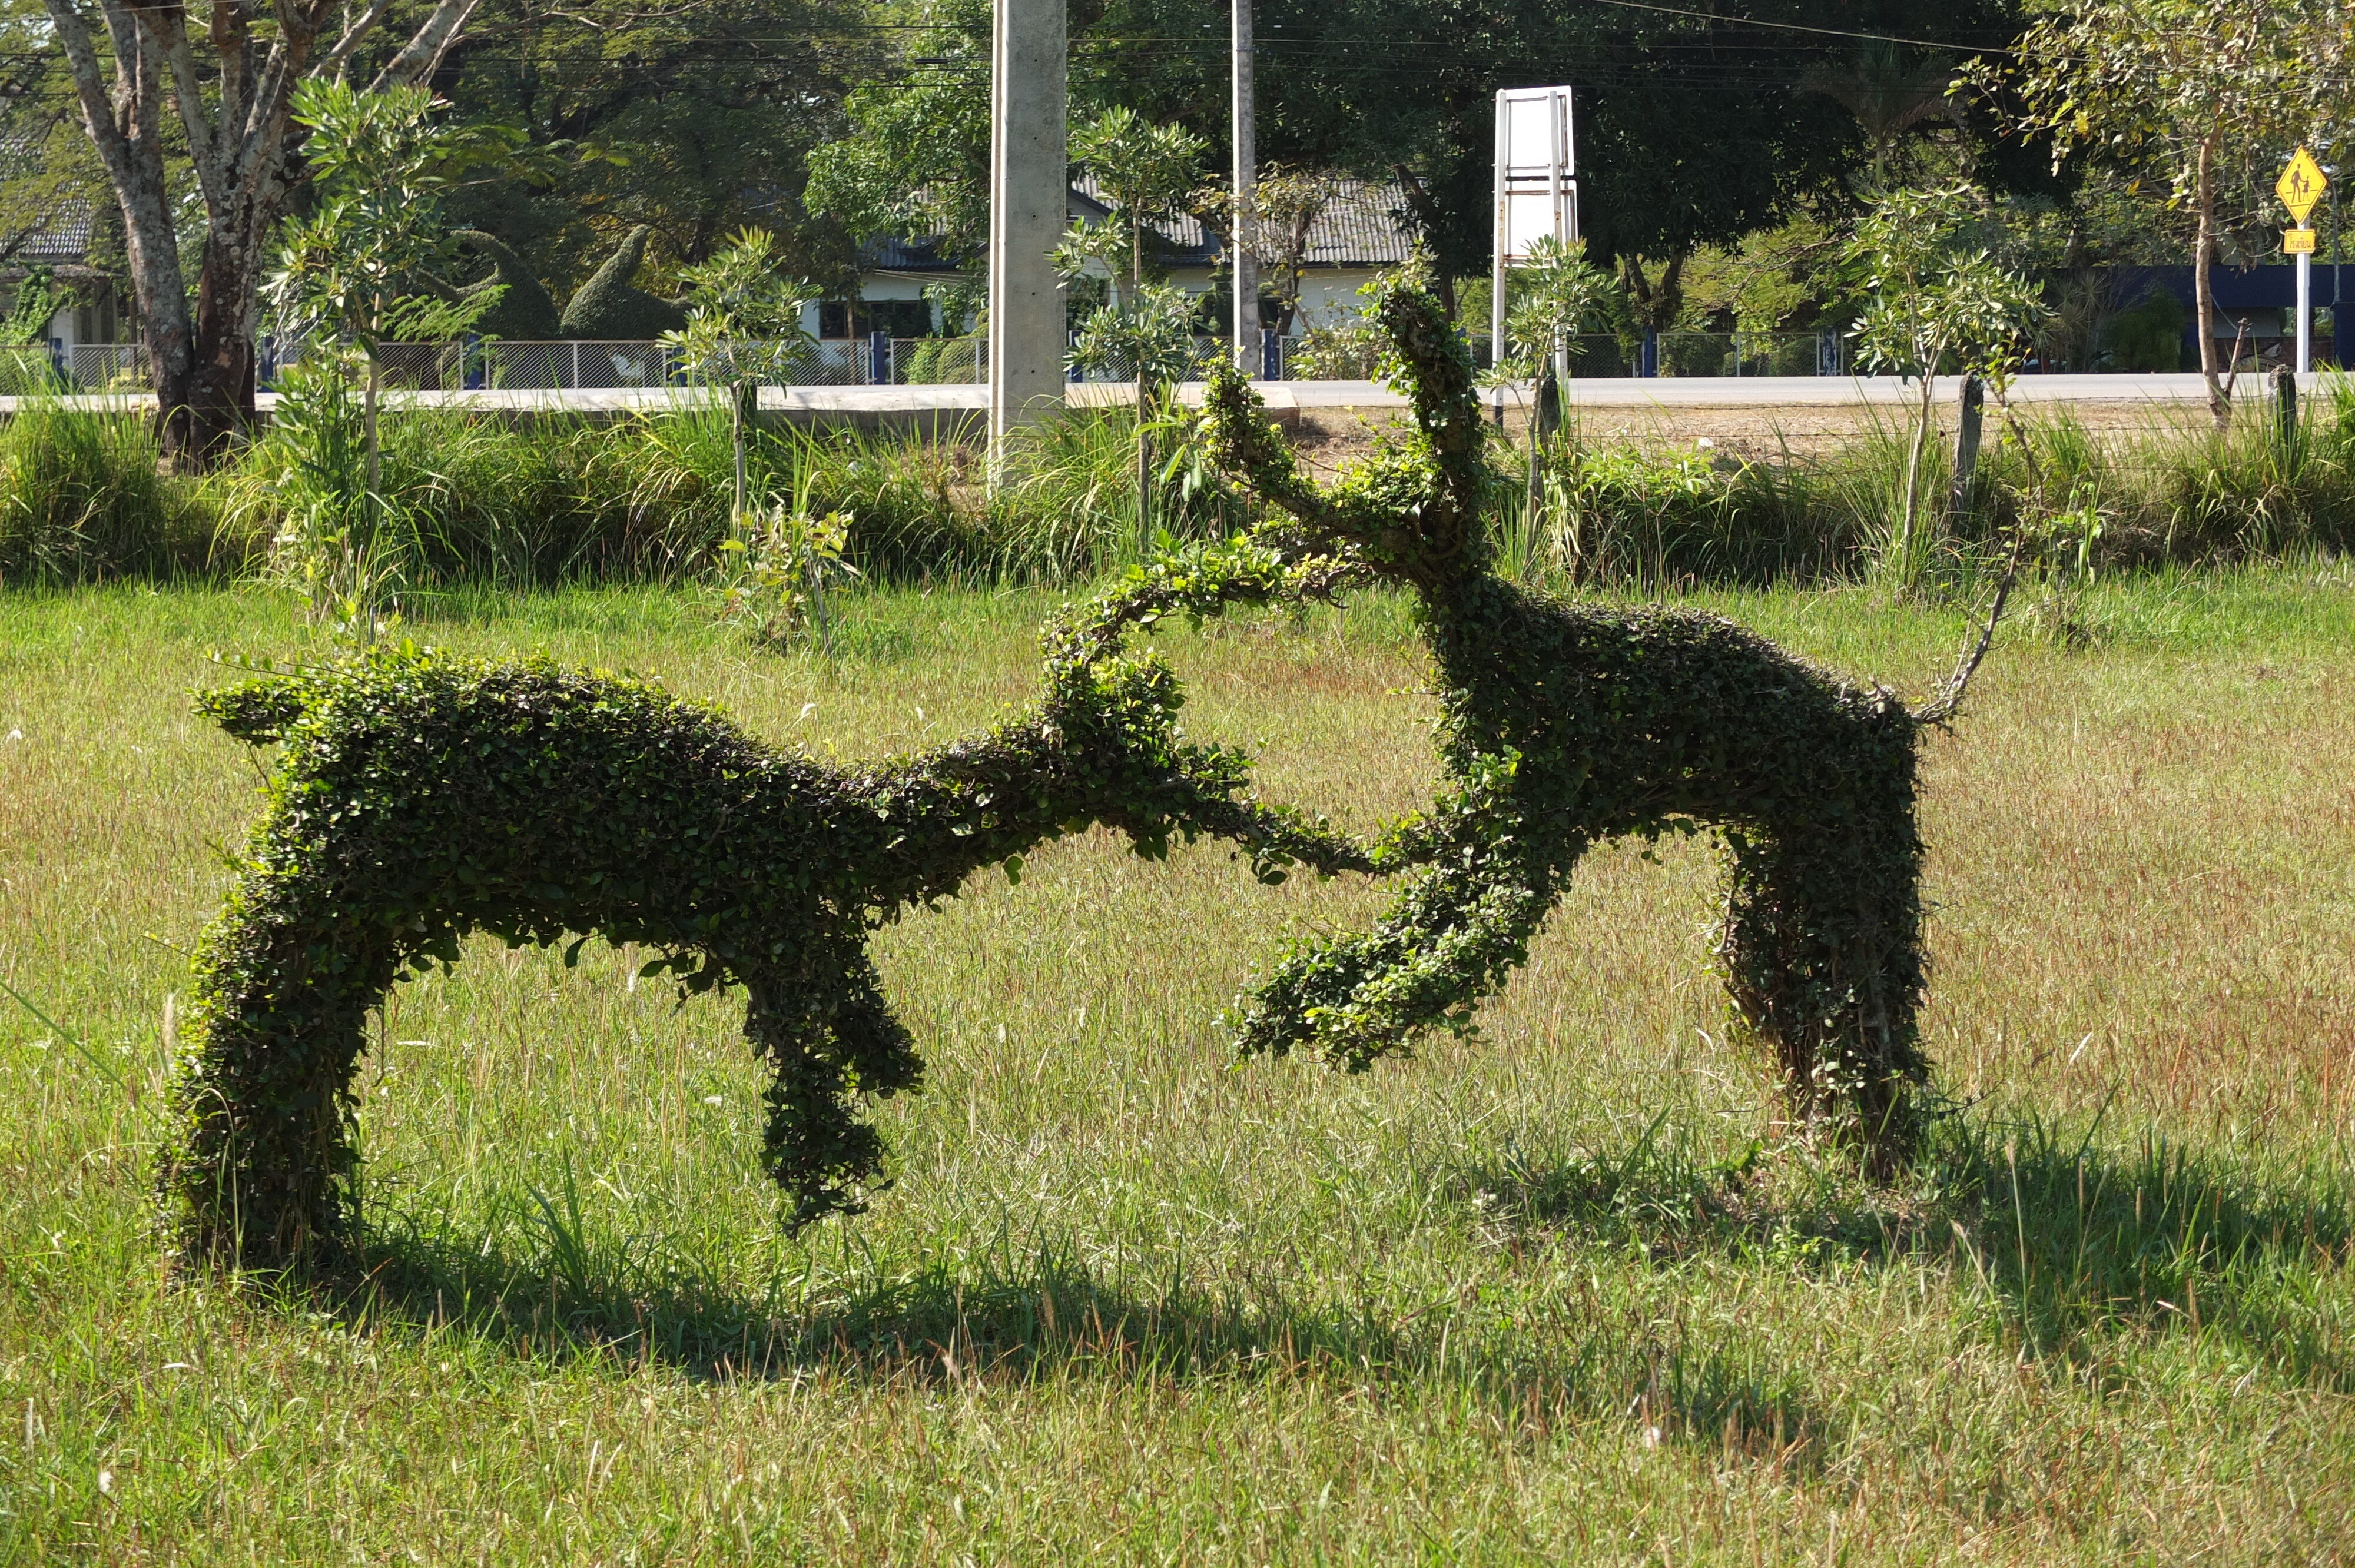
[90, 84]
[205, 151]
[1942, 708]
[424, 51]
[362, 26]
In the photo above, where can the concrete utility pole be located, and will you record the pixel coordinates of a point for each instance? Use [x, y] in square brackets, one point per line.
[1028, 207]
[1247, 339]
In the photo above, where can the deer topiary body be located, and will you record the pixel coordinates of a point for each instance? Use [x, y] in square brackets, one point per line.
[420, 799]
[1568, 724]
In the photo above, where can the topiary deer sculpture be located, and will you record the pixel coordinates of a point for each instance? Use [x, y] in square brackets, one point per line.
[420, 798]
[1568, 724]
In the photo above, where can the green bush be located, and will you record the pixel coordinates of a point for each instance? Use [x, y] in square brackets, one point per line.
[937, 361]
[523, 504]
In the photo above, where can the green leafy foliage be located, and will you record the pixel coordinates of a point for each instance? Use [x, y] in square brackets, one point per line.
[1566, 724]
[38, 298]
[80, 501]
[2181, 91]
[1548, 300]
[786, 559]
[1149, 336]
[339, 542]
[1940, 300]
[525, 310]
[2147, 335]
[354, 267]
[357, 273]
[420, 798]
[743, 318]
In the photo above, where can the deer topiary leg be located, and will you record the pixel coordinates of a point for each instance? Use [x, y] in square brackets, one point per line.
[1457, 930]
[831, 1040]
[262, 1169]
[1822, 958]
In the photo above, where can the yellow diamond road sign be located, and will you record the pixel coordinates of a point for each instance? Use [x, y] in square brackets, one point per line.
[2301, 185]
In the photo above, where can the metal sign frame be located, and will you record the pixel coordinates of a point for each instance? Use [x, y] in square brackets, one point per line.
[1536, 187]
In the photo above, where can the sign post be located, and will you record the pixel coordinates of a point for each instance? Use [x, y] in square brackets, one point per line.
[2300, 186]
[1537, 192]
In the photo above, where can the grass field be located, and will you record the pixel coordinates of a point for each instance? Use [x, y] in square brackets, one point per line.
[1562, 1294]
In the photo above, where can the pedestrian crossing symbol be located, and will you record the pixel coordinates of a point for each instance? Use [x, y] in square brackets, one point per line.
[2301, 185]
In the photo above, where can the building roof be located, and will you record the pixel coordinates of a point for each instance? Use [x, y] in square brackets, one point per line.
[63, 241]
[1363, 226]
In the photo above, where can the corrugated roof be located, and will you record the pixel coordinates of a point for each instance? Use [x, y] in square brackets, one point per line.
[63, 243]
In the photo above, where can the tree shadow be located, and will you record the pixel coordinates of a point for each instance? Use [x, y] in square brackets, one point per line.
[2074, 1245]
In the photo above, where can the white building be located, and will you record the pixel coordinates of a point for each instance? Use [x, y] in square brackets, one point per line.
[1360, 233]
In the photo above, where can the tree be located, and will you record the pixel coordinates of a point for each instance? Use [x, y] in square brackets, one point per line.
[916, 162]
[1148, 173]
[2180, 86]
[1940, 300]
[232, 88]
[1285, 205]
[744, 326]
[1890, 91]
[1549, 299]
[353, 274]
[693, 117]
[1692, 128]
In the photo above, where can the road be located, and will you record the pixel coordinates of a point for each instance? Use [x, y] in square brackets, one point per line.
[928, 406]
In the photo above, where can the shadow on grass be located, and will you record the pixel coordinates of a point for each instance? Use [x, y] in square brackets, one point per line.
[2071, 1242]
[1009, 1316]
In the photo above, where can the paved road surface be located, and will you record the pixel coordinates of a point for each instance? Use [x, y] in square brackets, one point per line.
[934, 404]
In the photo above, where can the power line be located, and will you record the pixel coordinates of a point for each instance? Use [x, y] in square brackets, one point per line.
[1802, 28]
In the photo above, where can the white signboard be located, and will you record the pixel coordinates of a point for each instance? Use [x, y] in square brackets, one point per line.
[1537, 187]
[1536, 169]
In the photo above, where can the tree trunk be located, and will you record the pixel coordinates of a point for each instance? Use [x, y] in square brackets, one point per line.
[1144, 391]
[229, 313]
[745, 398]
[1656, 305]
[373, 465]
[2204, 293]
[1909, 515]
[233, 108]
[1424, 212]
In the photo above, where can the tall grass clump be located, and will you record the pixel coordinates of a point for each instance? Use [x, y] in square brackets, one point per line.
[1650, 520]
[2248, 493]
[918, 504]
[1653, 520]
[1064, 509]
[521, 505]
[512, 504]
[81, 500]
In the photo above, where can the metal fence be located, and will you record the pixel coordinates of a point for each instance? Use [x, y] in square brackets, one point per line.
[1602, 355]
[84, 367]
[938, 361]
[498, 364]
[492, 364]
